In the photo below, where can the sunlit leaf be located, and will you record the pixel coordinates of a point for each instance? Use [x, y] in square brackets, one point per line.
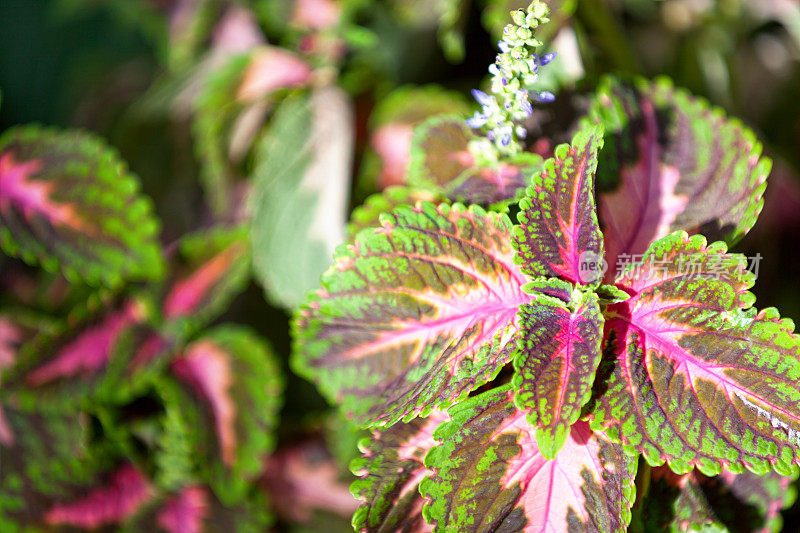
[556, 364]
[698, 377]
[488, 474]
[391, 469]
[367, 215]
[558, 234]
[414, 314]
[67, 203]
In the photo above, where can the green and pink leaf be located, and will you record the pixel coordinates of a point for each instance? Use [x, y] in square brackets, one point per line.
[699, 378]
[489, 475]
[212, 267]
[672, 163]
[68, 204]
[125, 493]
[234, 374]
[391, 469]
[413, 315]
[556, 364]
[558, 233]
[441, 161]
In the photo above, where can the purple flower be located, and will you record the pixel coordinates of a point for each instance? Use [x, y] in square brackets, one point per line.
[545, 97]
[524, 102]
[482, 98]
[502, 45]
[545, 59]
[477, 120]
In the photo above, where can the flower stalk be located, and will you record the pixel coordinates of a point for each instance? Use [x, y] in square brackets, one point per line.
[514, 72]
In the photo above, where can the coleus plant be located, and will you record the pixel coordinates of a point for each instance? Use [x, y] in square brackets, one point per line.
[119, 405]
[518, 374]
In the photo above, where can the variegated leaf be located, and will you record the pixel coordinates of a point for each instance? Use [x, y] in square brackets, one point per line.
[368, 214]
[392, 130]
[59, 361]
[391, 470]
[744, 502]
[47, 458]
[303, 479]
[235, 375]
[193, 508]
[212, 267]
[441, 161]
[413, 315]
[68, 203]
[555, 366]
[699, 377]
[500, 183]
[672, 163]
[111, 503]
[488, 475]
[558, 234]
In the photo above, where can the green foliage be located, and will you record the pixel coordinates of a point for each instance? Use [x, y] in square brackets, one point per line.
[298, 201]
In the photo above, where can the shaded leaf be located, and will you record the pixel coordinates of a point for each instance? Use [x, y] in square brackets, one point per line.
[673, 162]
[488, 474]
[125, 493]
[184, 512]
[558, 234]
[414, 314]
[68, 203]
[300, 192]
[213, 267]
[738, 503]
[89, 351]
[391, 469]
[303, 478]
[556, 364]
[392, 130]
[234, 373]
[441, 161]
[699, 377]
[50, 459]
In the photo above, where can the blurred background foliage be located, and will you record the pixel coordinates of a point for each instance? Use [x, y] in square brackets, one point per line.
[165, 82]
